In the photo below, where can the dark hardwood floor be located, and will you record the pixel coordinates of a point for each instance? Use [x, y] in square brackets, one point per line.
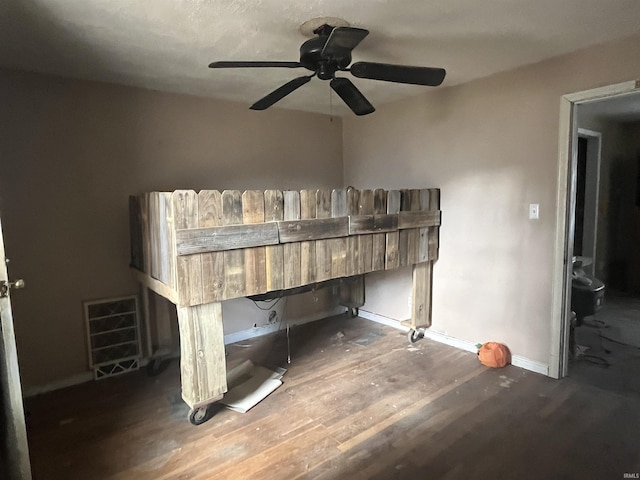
[358, 402]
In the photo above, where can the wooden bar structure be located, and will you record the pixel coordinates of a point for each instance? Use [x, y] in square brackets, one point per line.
[199, 249]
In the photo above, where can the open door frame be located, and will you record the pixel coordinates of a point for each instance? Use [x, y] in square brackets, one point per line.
[14, 449]
[592, 196]
[565, 211]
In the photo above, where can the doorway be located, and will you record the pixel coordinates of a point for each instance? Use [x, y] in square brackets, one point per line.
[572, 230]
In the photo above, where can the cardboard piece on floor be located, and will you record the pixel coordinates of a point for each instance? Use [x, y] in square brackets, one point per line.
[250, 384]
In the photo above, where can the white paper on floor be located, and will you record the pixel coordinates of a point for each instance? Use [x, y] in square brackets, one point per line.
[250, 384]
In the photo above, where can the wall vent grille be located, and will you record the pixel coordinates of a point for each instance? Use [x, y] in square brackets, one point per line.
[113, 335]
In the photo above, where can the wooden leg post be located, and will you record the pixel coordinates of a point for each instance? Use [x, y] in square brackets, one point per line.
[421, 295]
[202, 362]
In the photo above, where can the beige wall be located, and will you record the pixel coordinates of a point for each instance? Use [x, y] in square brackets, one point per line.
[492, 147]
[71, 152]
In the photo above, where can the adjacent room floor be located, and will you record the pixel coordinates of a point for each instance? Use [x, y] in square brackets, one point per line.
[358, 402]
[610, 345]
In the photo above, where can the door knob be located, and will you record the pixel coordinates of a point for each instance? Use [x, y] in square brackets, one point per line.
[6, 286]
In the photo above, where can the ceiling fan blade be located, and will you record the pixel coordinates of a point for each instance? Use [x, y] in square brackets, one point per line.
[352, 96]
[399, 73]
[342, 40]
[252, 64]
[280, 93]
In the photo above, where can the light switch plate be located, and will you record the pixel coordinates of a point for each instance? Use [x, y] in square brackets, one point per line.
[534, 211]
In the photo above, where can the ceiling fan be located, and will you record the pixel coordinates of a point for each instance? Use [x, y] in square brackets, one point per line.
[330, 52]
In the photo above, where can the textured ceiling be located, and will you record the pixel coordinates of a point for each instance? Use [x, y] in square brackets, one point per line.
[167, 44]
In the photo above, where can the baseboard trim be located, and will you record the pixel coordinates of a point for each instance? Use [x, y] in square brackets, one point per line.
[267, 329]
[516, 360]
[231, 338]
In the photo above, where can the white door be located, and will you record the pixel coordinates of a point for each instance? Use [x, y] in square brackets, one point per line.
[14, 451]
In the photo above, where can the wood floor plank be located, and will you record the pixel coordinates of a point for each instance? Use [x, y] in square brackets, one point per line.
[358, 401]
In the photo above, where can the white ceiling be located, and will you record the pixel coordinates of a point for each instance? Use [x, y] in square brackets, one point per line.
[167, 44]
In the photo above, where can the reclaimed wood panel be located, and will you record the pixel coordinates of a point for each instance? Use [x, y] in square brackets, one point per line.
[365, 249]
[166, 253]
[353, 245]
[379, 239]
[373, 224]
[307, 249]
[392, 238]
[231, 237]
[163, 262]
[434, 232]
[202, 354]
[234, 271]
[255, 258]
[423, 247]
[146, 232]
[154, 235]
[323, 247]
[292, 265]
[415, 220]
[339, 245]
[274, 212]
[320, 228]
[210, 215]
[188, 268]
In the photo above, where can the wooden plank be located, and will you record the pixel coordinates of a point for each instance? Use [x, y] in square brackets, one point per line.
[291, 205]
[234, 274]
[421, 295]
[353, 245]
[392, 239]
[323, 247]
[232, 237]
[292, 251]
[379, 239]
[308, 248]
[154, 235]
[434, 232]
[274, 212]
[403, 235]
[339, 245]
[323, 203]
[365, 261]
[146, 233]
[411, 220]
[423, 248]
[157, 286]
[362, 224]
[167, 245]
[320, 228]
[414, 233]
[202, 355]
[255, 259]
[210, 215]
[188, 268]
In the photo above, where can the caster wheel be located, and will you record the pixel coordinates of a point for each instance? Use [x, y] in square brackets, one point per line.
[353, 312]
[157, 365]
[415, 335]
[198, 416]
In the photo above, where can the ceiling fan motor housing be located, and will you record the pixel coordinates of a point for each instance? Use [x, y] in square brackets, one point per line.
[311, 56]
